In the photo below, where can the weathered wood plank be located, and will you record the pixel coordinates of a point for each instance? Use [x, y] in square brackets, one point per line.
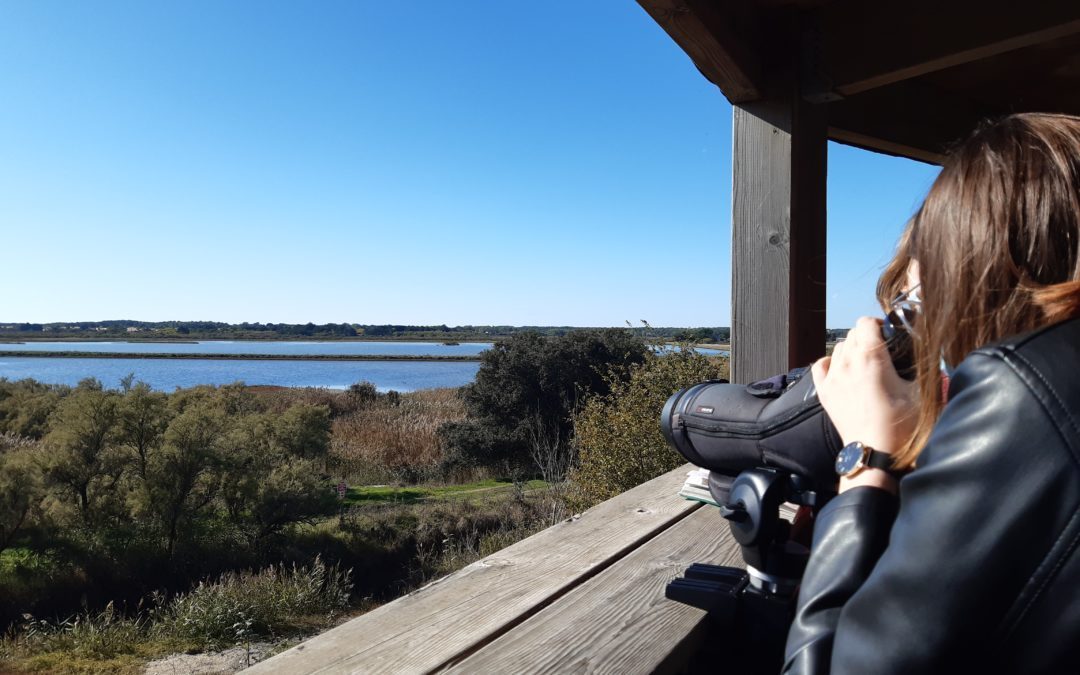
[778, 237]
[618, 621]
[467, 609]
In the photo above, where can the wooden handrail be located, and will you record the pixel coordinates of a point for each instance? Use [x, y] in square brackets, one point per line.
[598, 574]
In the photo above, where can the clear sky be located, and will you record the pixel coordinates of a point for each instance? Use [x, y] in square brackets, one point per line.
[425, 162]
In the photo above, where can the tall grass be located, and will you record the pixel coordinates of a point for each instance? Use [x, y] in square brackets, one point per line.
[241, 605]
[378, 438]
[393, 439]
[99, 635]
[234, 608]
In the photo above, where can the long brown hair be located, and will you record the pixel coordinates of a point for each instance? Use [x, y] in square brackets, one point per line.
[997, 241]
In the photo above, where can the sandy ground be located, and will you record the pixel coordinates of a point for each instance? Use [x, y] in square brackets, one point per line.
[216, 663]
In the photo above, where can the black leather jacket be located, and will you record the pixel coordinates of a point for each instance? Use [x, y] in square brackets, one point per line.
[975, 568]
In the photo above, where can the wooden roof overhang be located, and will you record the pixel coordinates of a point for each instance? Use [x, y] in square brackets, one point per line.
[903, 78]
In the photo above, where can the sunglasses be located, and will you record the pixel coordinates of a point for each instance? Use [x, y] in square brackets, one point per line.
[905, 307]
[898, 329]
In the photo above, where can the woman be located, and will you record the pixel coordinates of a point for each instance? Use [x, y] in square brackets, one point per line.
[965, 555]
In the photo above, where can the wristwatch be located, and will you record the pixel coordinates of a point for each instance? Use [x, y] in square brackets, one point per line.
[854, 457]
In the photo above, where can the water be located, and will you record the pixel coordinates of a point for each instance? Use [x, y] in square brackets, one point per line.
[282, 347]
[166, 374]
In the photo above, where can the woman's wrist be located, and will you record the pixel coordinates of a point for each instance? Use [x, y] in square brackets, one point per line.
[877, 478]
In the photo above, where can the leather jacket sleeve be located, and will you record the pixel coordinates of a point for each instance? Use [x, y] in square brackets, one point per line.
[850, 534]
[943, 587]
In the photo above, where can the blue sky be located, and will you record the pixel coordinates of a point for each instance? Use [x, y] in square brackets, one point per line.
[556, 163]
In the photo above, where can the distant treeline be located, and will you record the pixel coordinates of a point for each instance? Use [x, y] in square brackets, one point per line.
[210, 330]
[214, 330]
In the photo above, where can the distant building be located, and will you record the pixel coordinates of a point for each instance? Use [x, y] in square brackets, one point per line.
[133, 329]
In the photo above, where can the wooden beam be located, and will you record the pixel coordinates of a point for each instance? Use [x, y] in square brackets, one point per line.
[867, 45]
[864, 142]
[711, 42]
[908, 119]
[778, 237]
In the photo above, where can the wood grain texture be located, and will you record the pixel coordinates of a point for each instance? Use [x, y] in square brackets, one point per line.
[717, 50]
[761, 225]
[618, 621]
[778, 237]
[455, 615]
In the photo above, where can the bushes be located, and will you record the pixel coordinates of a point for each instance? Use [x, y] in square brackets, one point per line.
[132, 490]
[532, 382]
[236, 607]
[243, 605]
[20, 491]
[393, 548]
[619, 440]
[25, 406]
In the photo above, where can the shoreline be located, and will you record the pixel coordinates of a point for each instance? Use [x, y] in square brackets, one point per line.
[236, 357]
[195, 341]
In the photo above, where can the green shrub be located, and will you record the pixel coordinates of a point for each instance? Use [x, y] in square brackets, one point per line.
[618, 435]
[21, 492]
[25, 406]
[241, 605]
[532, 382]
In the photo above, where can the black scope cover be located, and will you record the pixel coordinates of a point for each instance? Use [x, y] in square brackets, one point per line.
[728, 428]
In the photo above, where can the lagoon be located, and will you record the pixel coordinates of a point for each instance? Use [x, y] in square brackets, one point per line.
[268, 347]
[167, 374]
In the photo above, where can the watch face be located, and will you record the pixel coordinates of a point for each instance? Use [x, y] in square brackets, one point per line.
[850, 458]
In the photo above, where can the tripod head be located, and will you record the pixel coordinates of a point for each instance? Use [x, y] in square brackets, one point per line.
[750, 502]
[752, 607]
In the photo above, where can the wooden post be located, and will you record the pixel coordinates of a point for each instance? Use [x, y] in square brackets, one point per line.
[778, 237]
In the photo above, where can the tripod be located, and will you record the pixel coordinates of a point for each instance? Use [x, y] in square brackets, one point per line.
[752, 609]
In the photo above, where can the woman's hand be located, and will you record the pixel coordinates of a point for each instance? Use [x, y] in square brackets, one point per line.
[864, 397]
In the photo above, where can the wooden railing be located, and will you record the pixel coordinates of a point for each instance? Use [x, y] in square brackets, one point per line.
[586, 595]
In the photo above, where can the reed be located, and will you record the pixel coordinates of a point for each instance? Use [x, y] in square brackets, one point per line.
[393, 439]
